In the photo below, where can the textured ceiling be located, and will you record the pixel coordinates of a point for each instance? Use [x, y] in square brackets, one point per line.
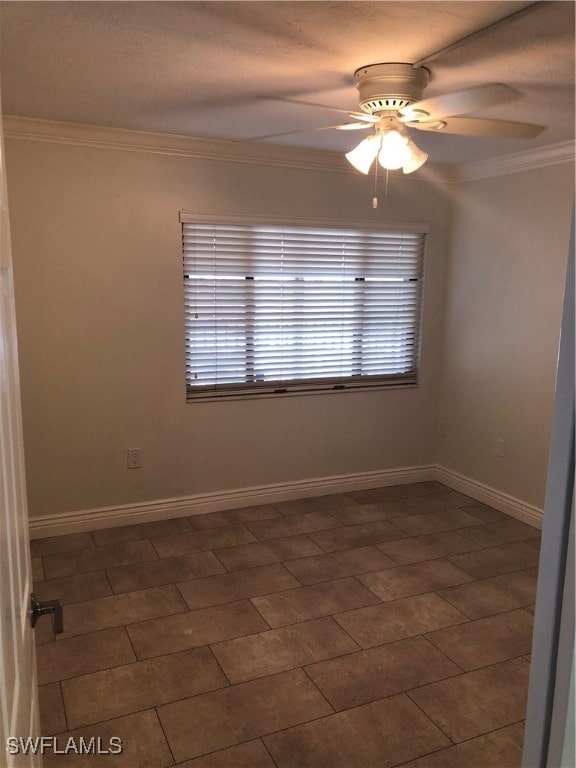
[212, 69]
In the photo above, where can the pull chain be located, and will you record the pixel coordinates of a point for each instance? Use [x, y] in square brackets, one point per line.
[375, 198]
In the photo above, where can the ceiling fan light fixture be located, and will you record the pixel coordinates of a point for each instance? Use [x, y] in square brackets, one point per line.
[394, 151]
[362, 156]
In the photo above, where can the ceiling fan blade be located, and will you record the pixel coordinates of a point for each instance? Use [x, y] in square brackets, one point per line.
[460, 102]
[343, 127]
[356, 115]
[365, 118]
[473, 126]
[352, 126]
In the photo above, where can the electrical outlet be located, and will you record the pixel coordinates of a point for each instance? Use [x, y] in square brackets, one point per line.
[442, 429]
[500, 448]
[133, 460]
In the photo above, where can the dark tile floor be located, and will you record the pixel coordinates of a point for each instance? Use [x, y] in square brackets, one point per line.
[386, 627]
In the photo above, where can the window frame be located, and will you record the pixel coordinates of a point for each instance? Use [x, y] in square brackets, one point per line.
[310, 386]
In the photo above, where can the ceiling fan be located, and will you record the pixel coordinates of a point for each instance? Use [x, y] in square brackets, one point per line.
[391, 103]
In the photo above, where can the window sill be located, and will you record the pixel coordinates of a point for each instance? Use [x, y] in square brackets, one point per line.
[229, 397]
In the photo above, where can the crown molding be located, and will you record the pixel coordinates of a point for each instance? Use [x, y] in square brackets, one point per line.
[553, 154]
[104, 137]
[254, 153]
[246, 152]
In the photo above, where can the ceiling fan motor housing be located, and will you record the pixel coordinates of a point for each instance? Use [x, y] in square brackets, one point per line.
[389, 87]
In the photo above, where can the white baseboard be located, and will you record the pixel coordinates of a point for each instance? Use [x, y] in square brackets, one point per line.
[527, 513]
[184, 506]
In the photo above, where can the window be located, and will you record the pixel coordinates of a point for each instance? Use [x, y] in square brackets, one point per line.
[274, 308]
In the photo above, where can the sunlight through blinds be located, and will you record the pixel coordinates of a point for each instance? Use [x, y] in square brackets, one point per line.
[281, 308]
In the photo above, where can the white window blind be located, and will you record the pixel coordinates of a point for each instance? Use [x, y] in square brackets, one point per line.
[273, 308]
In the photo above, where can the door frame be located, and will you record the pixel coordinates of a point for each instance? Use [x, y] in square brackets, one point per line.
[549, 735]
[18, 679]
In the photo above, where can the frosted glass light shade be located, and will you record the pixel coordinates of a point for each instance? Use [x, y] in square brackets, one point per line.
[362, 156]
[394, 151]
[415, 159]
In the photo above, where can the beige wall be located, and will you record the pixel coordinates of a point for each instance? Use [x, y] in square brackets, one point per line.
[97, 258]
[96, 245]
[505, 289]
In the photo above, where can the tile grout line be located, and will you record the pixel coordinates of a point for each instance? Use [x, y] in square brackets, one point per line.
[487, 615]
[472, 738]
[64, 551]
[97, 570]
[341, 711]
[223, 749]
[416, 594]
[300, 533]
[128, 624]
[177, 585]
[234, 600]
[462, 671]
[305, 671]
[353, 503]
[395, 565]
[63, 704]
[356, 643]
[342, 655]
[74, 575]
[112, 592]
[271, 594]
[268, 541]
[276, 592]
[301, 557]
[282, 563]
[345, 576]
[320, 717]
[427, 716]
[467, 741]
[260, 614]
[261, 740]
[165, 735]
[152, 706]
[165, 583]
[303, 586]
[477, 669]
[211, 650]
[287, 669]
[204, 645]
[333, 616]
[144, 709]
[214, 552]
[136, 660]
[462, 611]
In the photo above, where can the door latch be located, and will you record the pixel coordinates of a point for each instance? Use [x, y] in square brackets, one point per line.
[42, 609]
